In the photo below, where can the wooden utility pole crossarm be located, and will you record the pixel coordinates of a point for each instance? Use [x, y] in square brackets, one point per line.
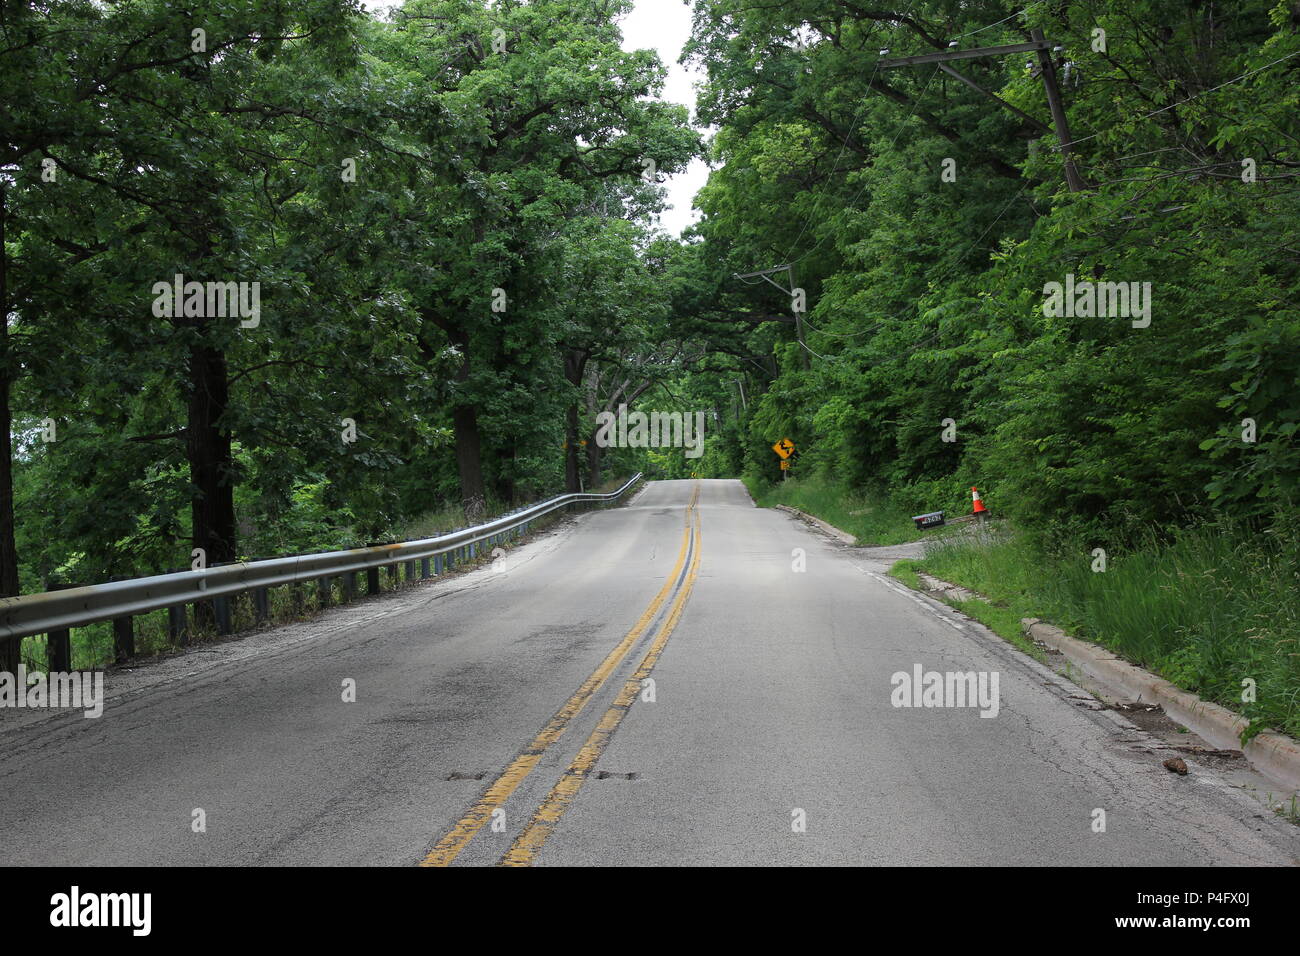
[766, 276]
[946, 56]
[1037, 45]
[961, 78]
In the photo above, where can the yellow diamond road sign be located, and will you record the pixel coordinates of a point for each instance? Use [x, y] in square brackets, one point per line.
[784, 448]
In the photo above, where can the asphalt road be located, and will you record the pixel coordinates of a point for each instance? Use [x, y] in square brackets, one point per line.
[504, 714]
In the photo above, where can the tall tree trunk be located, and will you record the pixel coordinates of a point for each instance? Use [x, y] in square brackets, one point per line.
[464, 421]
[571, 480]
[469, 445]
[593, 450]
[211, 458]
[593, 462]
[9, 650]
[575, 363]
[505, 489]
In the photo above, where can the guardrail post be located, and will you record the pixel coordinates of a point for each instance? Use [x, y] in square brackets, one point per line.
[58, 644]
[123, 639]
[177, 631]
[325, 588]
[261, 605]
[372, 580]
[58, 651]
[424, 568]
[349, 587]
[221, 611]
[410, 572]
[123, 633]
[437, 564]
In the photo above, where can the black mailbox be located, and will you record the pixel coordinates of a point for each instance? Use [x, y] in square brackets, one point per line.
[932, 520]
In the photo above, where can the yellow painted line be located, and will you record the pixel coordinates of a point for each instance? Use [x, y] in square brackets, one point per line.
[527, 844]
[455, 840]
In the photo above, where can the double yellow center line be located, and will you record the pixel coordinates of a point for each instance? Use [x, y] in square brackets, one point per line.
[530, 841]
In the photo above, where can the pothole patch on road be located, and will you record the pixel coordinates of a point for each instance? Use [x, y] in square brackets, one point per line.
[458, 775]
[1152, 719]
[611, 775]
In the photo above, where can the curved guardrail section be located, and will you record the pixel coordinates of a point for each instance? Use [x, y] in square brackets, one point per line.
[49, 611]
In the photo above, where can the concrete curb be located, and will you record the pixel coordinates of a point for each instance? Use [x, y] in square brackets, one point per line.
[830, 529]
[950, 591]
[1271, 753]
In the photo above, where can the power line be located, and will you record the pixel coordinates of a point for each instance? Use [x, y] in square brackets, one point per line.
[1235, 79]
[845, 144]
[857, 116]
[915, 105]
[990, 26]
[861, 189]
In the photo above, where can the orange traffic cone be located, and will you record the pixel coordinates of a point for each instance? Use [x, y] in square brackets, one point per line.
[978, 506]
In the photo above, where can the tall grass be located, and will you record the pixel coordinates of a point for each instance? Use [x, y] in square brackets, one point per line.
[93, 646]
[433, 523]
[1216, 606]
[874, 519]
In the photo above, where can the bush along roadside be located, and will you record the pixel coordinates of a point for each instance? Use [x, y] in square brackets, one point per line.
[1215, 609]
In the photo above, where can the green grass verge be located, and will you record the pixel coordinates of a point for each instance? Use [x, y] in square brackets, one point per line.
[906, 571]
[871, 518]
[1215, 611]
[998, 618]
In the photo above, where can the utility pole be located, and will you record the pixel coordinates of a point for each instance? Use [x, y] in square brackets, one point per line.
[1072, 176]
[1037, 45]
[766, 275]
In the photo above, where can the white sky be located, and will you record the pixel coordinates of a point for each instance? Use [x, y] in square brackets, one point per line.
[664, 26]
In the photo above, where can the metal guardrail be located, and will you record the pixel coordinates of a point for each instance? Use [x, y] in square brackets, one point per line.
[56, 611]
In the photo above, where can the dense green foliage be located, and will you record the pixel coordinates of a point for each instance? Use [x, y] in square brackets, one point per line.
[446, 211]
[926, 292]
